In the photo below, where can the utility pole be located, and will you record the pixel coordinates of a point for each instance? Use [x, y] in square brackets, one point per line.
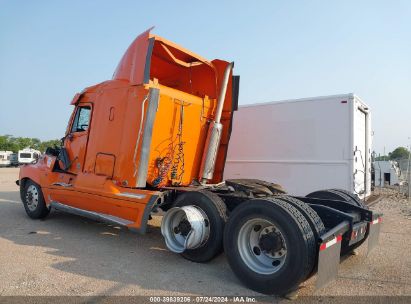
[379, 167]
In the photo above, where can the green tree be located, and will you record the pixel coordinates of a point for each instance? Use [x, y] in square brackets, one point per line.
[10, 143]
[50, 143]
[382, 157]
[399, 153]
[22, 142]
[7, 143]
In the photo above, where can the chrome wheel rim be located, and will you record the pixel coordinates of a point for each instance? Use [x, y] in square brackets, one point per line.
[186, 227]
[32, 197]
[262, 246]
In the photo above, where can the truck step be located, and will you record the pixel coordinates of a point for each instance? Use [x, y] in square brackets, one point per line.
[110, 219]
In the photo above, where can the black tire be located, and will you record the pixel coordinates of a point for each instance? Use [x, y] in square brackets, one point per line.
[299, 239]
[316, 224]
[331, 195]
[354, 198]
[216, 211]
[33, 200]
[349, 198]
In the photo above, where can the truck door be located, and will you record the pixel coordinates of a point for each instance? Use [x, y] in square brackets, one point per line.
[76, 141]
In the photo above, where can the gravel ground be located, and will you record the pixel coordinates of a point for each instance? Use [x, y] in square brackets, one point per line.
[69, 255]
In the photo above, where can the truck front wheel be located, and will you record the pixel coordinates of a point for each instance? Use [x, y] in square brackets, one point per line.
[269, 245]
[33, 200]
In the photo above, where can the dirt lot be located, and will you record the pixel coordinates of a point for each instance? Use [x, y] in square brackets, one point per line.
[69, 255]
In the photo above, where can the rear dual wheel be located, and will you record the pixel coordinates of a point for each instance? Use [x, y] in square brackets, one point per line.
[339, 194]
[270, 245]
[348, 198]
[351, 198]
[315, 222]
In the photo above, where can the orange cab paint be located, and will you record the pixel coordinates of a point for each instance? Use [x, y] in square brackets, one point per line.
[119, 157]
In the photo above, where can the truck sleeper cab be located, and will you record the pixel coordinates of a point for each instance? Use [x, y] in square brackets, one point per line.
[156, 137]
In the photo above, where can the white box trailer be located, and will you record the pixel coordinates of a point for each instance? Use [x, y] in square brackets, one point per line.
[304, 144]
[5, 158]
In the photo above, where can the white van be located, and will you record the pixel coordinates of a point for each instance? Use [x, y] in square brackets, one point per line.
[28, 156]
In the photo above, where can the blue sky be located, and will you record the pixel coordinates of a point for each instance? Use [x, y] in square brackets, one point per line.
[49, 50]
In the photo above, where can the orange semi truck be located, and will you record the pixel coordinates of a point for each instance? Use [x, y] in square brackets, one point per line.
[155, 137]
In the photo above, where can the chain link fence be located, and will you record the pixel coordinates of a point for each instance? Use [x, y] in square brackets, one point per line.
[405, 176]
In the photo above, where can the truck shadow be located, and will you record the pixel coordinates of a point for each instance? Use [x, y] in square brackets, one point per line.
[91, 249]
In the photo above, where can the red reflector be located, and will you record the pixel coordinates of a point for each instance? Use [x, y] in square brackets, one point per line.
[343, 101]
[330, 243]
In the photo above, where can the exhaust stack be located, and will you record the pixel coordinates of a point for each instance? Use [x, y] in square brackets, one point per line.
[214, 132]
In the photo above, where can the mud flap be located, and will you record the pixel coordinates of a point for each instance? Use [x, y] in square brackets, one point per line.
[374, 229]
[328, 261]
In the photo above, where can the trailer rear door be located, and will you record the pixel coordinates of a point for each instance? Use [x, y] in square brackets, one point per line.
[360, 149]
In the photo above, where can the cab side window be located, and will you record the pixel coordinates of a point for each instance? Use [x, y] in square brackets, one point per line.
[82, 119]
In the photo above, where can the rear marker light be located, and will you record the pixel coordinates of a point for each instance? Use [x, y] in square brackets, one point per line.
[330, 243]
